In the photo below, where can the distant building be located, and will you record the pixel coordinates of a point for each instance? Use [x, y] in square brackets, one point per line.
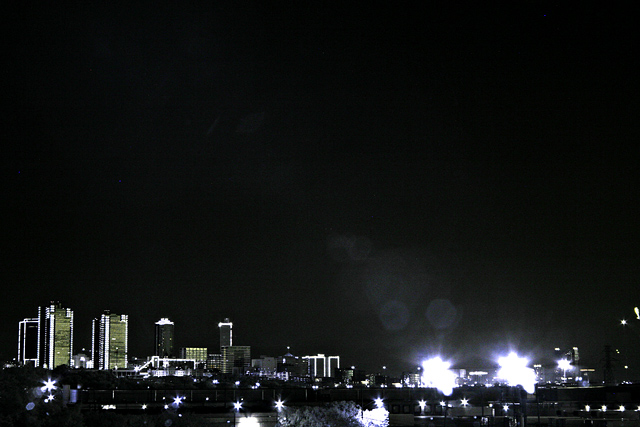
[56, 347]
[226, 333]
[109, 346]
[214, 362]
[265, 366]
[350, 375]
[164, 338]
[322, 366]
[81, 360]
[236, 359]
[199, 354]
[290, 367]
[29, 341]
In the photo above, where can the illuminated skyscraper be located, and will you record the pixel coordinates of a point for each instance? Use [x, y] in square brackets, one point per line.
[57, 336]
[226, 337]
[321, 365]
[109, 347]
[164, 338]
[29, 341]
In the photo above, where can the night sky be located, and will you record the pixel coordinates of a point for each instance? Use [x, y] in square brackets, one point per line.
[377, 182]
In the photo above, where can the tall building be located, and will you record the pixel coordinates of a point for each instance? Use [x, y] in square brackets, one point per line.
[236, 359]
[109, 346]
[164, 338]
[322, 366]
[226, 337]
[56, 347]
[29, 341]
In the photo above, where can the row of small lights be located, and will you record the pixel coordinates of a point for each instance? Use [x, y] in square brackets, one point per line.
[49, 386]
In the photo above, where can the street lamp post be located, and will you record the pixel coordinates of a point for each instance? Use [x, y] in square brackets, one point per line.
[279, 406]
[236, 408]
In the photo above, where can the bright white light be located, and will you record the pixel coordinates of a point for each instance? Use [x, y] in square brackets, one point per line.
[436, 374]
[379, 403]
[177, 401]
[443, 403]
[48, 385]
[249, 422]
[144, 406]
[604, 408]
[422, 404]
[587, 408]
[505, 408]
[622, 408]
[464, 401]
[623, 322]
[564, 364]
[637, 311]
[378, 417]
[279, 405]
[514, 370]
[237, 405]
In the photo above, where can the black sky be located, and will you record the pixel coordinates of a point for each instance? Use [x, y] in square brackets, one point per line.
[374, 182]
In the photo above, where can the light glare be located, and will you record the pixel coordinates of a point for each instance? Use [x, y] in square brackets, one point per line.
[436, 374]
[514, 370]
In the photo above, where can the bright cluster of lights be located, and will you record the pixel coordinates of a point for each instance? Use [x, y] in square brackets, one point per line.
[248, 422]
[376, 417]
[436, 374]
[514, 370]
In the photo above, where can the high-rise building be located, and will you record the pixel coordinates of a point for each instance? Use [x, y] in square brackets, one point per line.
[109, 347]
[226, 337]
[29, 341]
[164, 338]
[56, 347]
[236, 359]
[321, 365]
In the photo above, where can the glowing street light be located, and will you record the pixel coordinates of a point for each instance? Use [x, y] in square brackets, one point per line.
[464, 401]
[565, 365]
[236, 407]
[422, 405]
[49, 385]
[514, 370]
[436, 374]
[279, 405]
[177, 401]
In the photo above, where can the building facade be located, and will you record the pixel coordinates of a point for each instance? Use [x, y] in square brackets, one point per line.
[56, 347]
[164, 338]
[322, 366]
[199, 354]
[29, 341]
[236, 359]
[226, 333]
[110, 343]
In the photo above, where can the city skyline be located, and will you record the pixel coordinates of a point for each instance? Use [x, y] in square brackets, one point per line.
[390, 180]
[110, 343]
